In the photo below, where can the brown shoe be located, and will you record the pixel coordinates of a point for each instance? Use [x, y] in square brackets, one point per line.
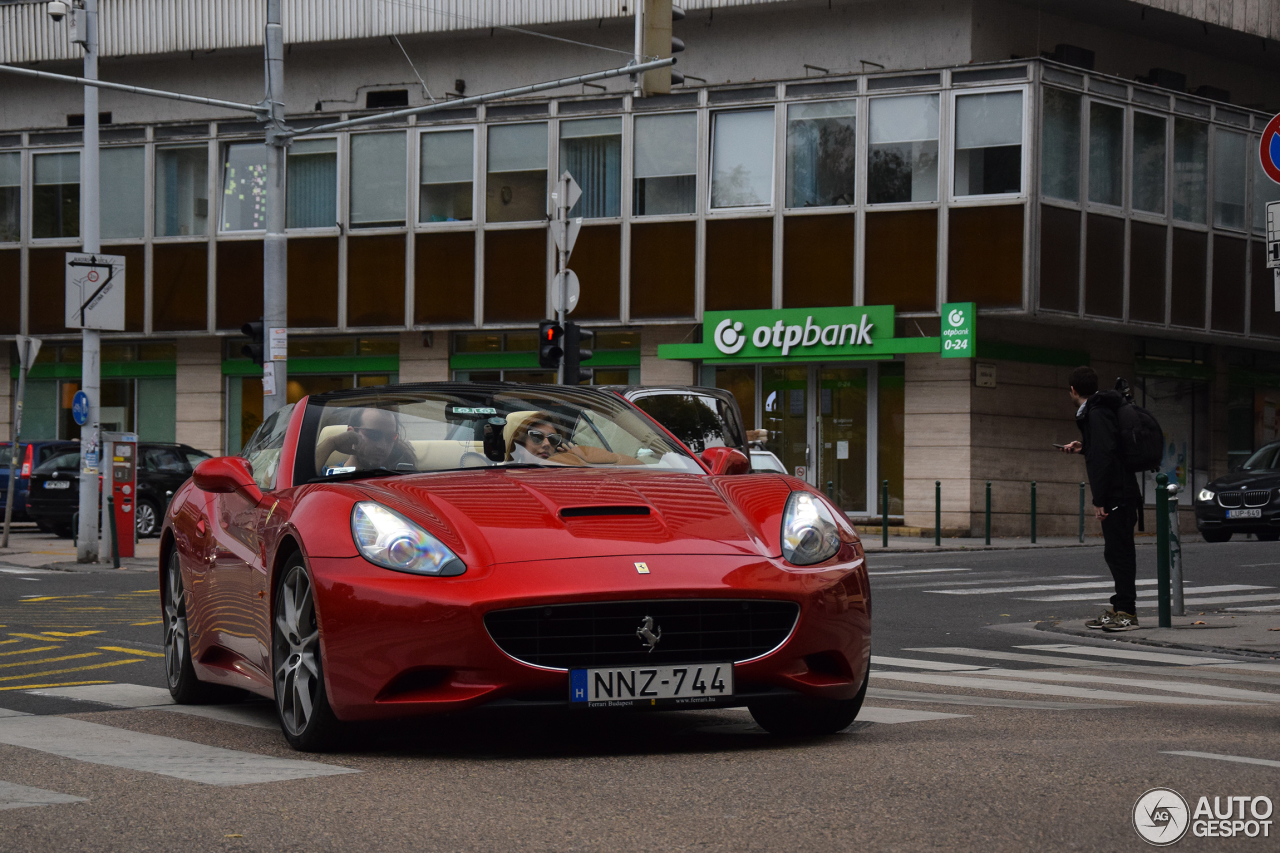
[1122, 622]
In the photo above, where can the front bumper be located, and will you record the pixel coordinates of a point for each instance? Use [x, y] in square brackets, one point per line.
[400, 645]
[1213, 518]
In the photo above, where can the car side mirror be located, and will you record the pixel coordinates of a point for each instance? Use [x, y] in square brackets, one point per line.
[726, 460]
[225, 475]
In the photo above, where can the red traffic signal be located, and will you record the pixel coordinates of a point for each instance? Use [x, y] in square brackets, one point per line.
[550, 344]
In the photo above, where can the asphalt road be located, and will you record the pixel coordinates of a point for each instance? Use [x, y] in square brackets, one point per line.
[980, 733]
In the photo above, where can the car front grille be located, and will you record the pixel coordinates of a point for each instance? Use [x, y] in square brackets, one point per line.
[568, 636]
[1230, 500]
[1257, 498]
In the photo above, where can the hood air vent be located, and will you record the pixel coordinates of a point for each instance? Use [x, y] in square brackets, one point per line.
[598, 511]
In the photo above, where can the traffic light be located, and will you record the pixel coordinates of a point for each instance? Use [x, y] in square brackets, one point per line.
[550, 344]
[254, 349]
[657, 42]
[576, 343]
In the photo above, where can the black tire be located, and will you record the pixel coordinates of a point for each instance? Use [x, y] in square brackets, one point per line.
[1268, 537]
[302, 703]
[147, 517]
[184, 686]
[1216, 535]
[806, 716]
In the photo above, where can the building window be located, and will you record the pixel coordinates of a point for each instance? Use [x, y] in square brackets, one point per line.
[446, 176]
[742, 159]
[377, 180]
[1060, 159]
[55, 196]
[312, 184]
[10, 196]
[1228, 179]
[1106, 154]
[1190, 169]
[121, 179]
[988, 158]
[1149, 157]
[666, 164]
[591, 151]
[517, 181]
[821, 154]
[244, 187]
[182, 191]
[902, 157]
[1264, 190]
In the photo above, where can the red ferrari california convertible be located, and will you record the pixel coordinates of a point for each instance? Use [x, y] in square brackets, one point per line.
[416, 549]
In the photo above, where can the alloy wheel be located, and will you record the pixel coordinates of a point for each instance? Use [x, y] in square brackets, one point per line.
[146, 519]
[175, 624]
[296, 643]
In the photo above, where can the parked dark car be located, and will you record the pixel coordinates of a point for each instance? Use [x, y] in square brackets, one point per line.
[1245, 501]
[699, 417]
[54, 495]
[31, 455]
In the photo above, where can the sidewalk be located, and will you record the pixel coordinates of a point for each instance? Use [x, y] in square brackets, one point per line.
[31, 549]
[1254, 634]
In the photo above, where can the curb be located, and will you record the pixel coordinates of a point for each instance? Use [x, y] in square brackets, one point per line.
[1128, 637]
[75, 568]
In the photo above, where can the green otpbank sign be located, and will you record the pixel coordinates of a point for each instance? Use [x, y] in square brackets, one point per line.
[821, 334]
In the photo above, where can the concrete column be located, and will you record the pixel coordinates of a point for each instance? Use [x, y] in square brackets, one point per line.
[661, 371]
[937, 440]
[422, 363]
[201, 413]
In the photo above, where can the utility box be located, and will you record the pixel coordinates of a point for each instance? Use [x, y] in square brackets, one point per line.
[121, 450]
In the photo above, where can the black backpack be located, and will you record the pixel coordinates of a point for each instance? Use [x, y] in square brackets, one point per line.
[1141, 439]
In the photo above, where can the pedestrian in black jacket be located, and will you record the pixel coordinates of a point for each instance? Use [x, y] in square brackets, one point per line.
[1116, 499]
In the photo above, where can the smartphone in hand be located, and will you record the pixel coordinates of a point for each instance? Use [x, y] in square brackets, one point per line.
[1061, 446]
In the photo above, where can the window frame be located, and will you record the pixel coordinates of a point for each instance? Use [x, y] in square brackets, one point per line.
[626, 151]
[212, 153]
[864, 162]
[779, 130]
[1166, 214]
[482, 220]
[860, 148]
[24, 195]
[1126, 156]
[338, 196]
[346, 167]
[29, 203]
[415, 157]
[951, 126]
[629, 167]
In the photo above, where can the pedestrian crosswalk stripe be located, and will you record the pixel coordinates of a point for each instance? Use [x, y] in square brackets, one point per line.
[1239, 759]
[1126, 654]
[1151, 593]
[891, 716]
[1228, 599]
[919, 572]
[979, 701]
[972, 682]
[994, 590]
[195, 762]
[1249, 667]
[20, 796]
[1013, 656]
[259, 714]
[942, 666]
[1191, 688]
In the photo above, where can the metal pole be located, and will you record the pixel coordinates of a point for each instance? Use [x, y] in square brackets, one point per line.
[562, 261]
[937, 512]
[1033, 512]
[1082, 513]
[1162, 549]
[884, 513]
[24, 362]
[87, 550]
[1175, 553]
[275, 258]
[111, 526]
[988, 525]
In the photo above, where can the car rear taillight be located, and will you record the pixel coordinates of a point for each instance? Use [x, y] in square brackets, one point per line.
[26, 464]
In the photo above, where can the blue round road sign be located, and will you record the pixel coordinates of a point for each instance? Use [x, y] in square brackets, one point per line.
[1269, 149]
[80, 408]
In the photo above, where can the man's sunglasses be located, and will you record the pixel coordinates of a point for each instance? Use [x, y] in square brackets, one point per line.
[381, 436]
[537, 436]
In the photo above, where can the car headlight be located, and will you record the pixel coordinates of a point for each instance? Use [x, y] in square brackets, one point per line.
[388, 539]
[1206, 495]
[809, 533]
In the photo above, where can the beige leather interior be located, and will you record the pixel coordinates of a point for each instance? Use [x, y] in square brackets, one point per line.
[433, 455]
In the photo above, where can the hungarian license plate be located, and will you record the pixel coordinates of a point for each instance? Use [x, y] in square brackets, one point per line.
[1244, 513]
[691, 684]
[57, 484]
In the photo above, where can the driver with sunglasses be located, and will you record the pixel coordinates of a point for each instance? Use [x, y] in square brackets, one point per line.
[371, 441]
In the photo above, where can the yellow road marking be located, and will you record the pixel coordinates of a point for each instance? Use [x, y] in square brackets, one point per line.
[157, 622]
[6, 642]
[27, 651]
[63, 684]
[52, 598]
[70, 669]
[50, 660]
[132, 651]
[30, 637]
[73, 634]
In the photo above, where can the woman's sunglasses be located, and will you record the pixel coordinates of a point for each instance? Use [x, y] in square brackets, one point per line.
[537, 436]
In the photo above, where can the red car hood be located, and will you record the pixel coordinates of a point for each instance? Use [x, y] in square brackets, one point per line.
[510, 516]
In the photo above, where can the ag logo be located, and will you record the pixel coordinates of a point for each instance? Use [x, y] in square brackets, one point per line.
[956, 317]
[729, 338]
[1161, 816]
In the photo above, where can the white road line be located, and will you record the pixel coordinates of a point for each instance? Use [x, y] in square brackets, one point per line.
[1188, 687]
[1239, 759]
[1040, 659]
[1265, 608]
[97, 744]
[1152, 593]
[892, 716]
[909, 663]
[1125, 654]
[1249, 667]
[20, 796]
[920, 572]
[983, 701]
[993, 590]
[1230, 599]
[26, 572]
[260, 715]
[1010, 686]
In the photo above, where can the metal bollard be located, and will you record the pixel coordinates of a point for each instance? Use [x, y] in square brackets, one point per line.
[1082, 513]
[1162, 549]
[988, 526]
[115, 543]
[884, 509]
[1033, 512]
[937, 512]
[1175, 554]
[830, 491]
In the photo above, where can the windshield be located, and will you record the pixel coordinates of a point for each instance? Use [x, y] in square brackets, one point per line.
[65, 462]
[6, 454]
[699, 420]
[1264, 460]
[479, 427]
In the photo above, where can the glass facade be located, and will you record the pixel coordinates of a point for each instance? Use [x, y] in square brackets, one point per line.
[312, 189]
